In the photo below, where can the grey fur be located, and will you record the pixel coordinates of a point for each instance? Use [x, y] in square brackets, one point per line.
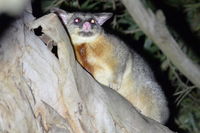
[141, 73]
[144, 92]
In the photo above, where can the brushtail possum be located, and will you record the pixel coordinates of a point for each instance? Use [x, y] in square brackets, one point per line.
[112, 63]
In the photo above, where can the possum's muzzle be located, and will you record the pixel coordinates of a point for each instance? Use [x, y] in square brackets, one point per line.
[85, 34]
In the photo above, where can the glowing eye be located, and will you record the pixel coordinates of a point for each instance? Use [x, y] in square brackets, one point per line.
[77, 20]
[92, 21]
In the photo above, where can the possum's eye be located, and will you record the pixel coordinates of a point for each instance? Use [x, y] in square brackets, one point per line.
[92, 21]
[77, 20]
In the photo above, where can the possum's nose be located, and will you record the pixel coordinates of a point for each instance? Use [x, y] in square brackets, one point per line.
[86, 26]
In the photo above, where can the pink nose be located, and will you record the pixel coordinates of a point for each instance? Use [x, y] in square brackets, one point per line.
[86, 26]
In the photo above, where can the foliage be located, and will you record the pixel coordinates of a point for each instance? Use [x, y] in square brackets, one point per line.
[186, 94]
[191, 8]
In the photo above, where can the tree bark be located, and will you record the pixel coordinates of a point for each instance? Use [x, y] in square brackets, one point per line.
[42, 93]
[153, 25]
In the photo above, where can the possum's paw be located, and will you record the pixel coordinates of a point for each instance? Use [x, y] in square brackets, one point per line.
[114, 86]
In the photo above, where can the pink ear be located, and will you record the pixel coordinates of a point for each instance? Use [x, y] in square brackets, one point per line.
[62, 14]
[102, 17]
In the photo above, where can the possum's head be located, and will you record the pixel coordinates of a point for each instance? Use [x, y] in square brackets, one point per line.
[83, 27]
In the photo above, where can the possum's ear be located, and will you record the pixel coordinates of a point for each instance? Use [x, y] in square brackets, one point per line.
[102, 17]
[65, 16]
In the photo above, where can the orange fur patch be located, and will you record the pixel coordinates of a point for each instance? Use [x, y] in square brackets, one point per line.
[103, 50]
[102, 54]
[82, 55]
